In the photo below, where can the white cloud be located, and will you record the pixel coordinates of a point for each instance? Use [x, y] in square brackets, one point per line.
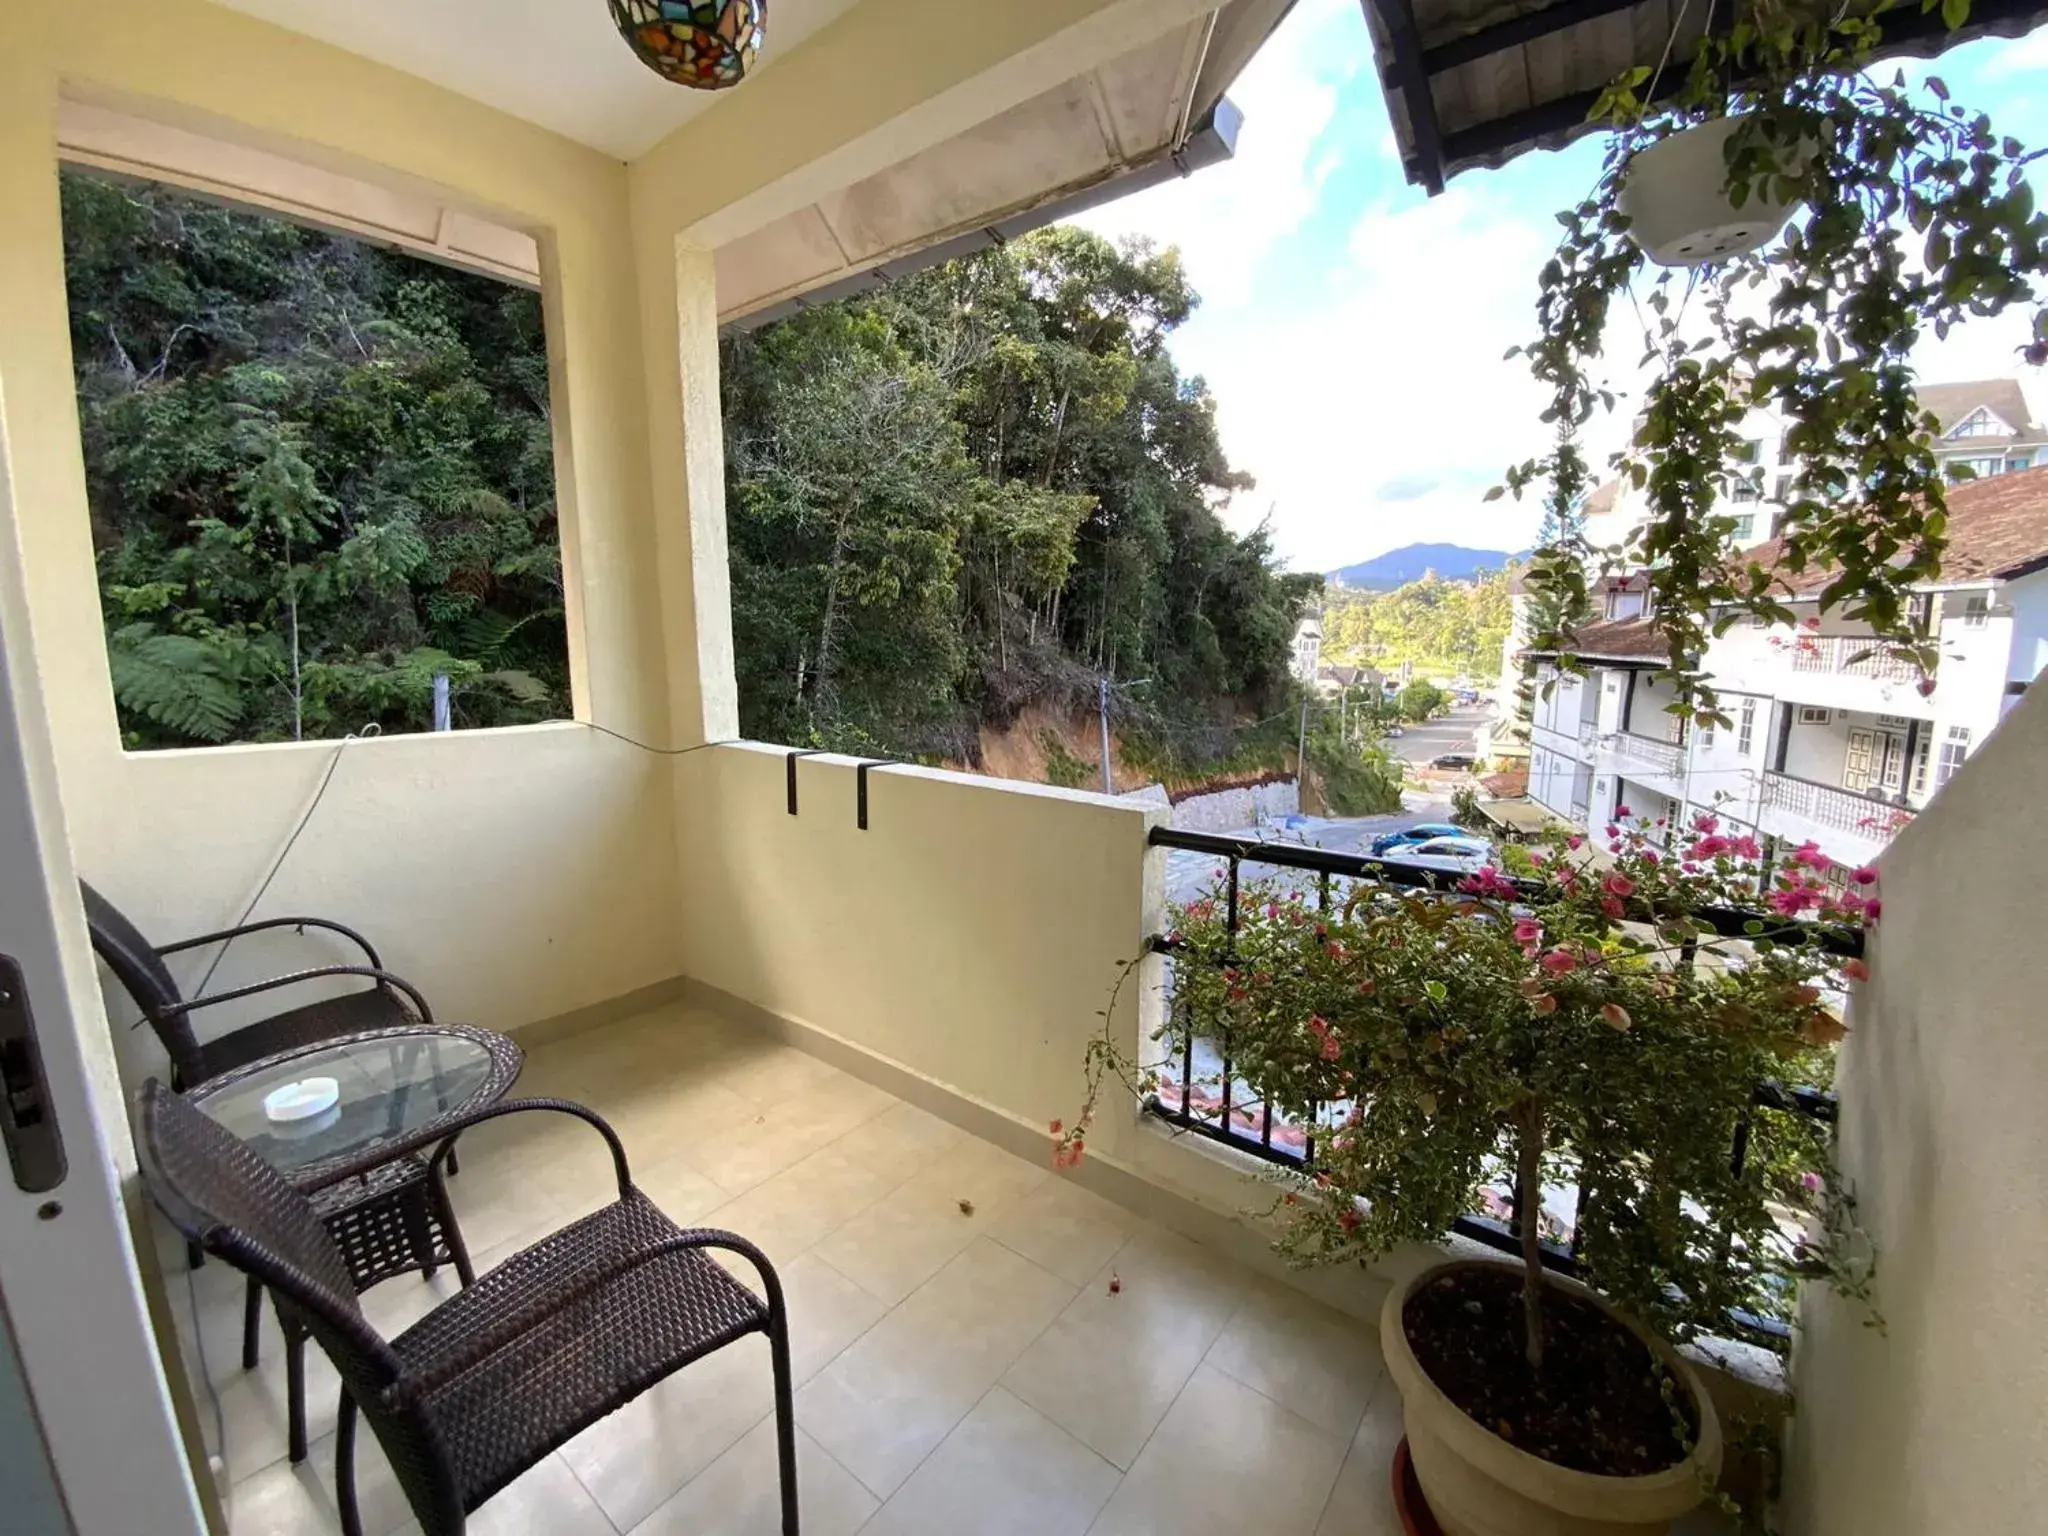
[1226, 219]
[1381, 416]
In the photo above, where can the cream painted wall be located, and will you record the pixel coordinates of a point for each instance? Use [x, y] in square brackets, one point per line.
[970, 936]
[514, 874]
[1938, 1425]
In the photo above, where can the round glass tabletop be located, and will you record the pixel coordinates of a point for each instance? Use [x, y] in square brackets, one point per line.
[338, 1101]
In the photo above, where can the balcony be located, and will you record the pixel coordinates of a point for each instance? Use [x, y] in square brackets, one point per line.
[955, 1339]
[1841, 672]
[1658, 765]
[1850, 828]
[831, 1001]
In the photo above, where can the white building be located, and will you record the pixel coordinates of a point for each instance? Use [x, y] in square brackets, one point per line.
[1985, 428]
[1830, 739]
[1308, 647]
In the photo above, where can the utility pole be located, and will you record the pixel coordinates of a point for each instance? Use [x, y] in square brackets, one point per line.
[1102, 707]
[1301, 755]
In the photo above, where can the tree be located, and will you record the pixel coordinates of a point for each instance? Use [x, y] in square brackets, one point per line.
[1420, 699]
[320, 474]
[1435, 625]
[986, 487]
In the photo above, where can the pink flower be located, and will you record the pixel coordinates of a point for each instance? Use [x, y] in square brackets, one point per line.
[1652, 857]
[1705, 824]
[1057, 1127]
[1318, 1025]
[1487, 882]
[1618, 885]
[1809, 854]
[1615, 1016]
[1864, 876]
[1710, 847]
[1690, 867]
[1544, 1003]
[1622, 813]
[1069, 1155]
[1528, 931]
[1926, 687]
[1746, 847]
[1812, 623]
[1332, 1047]
[1559, 962]
[1575, 841]
[1348, 1220]
[1792, 900]
[1871, 909]
[1611, 906]
[1856, 970]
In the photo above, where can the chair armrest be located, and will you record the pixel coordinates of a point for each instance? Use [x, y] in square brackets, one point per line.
[521, 1321]
[419, 1003]
[369, 951]
[441, 1135]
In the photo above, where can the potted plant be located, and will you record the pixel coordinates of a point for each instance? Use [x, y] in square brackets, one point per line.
[1582, 1048]
[1909, 214]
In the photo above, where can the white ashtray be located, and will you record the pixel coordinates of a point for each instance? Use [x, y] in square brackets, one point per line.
[301, 1101]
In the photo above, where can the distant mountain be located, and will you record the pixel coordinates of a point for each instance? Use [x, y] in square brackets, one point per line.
[1398, 567]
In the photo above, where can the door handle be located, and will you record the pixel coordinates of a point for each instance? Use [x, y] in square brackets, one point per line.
[28, 1126]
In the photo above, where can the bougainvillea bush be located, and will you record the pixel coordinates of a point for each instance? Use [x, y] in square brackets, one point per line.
[1588, 1027]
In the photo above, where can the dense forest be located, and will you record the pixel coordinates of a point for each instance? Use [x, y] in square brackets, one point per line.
[985, 487]
[321, 475]
[1445, 628]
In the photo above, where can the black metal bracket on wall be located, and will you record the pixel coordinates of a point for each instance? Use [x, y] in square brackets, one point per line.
[860, 775]
[790, 763]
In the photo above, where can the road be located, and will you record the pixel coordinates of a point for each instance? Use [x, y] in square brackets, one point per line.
[1189, 875]
[1453, 733]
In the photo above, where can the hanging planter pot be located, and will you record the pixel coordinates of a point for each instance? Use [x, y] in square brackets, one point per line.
[1676, 199]
[707, 45]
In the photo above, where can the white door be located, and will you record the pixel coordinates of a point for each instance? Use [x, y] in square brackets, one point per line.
[84, 1407]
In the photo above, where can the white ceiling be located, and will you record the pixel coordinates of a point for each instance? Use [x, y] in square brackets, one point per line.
[558, 63]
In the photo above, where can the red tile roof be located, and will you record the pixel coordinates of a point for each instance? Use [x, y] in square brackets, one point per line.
[1618, 640]
[1997, 527]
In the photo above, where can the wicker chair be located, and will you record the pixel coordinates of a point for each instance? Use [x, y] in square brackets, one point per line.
[139, 966]
[389, 1222]
[502, 1373]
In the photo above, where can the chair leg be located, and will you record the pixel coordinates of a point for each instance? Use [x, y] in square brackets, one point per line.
[252, 1324]
[345, 1467]
[785, 1421]
[195, 1256]
[295, 1391]
[444, 1213]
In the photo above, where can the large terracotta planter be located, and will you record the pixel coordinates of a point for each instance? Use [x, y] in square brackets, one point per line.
[1477, 1484]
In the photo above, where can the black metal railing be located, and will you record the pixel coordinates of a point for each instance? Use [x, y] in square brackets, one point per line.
[1249, 1125]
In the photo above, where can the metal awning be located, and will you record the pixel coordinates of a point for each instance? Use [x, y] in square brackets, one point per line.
[1476, 82]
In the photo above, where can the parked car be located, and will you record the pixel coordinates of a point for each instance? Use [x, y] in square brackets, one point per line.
[1453, 760]
[1422, 832]
[1459, 855]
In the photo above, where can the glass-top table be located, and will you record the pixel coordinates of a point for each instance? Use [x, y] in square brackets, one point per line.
[394, 1088]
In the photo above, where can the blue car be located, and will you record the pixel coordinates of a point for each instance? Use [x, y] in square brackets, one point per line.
[1409, 836]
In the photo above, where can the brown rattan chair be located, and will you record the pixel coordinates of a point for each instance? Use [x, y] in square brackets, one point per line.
[388, 1222]
[504, 1372]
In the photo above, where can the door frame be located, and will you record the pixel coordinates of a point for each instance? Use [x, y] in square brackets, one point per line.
[69, 1272]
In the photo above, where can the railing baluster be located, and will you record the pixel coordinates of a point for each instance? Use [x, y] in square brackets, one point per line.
[1325, 863]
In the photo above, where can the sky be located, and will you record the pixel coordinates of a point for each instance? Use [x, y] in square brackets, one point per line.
[1352, 329]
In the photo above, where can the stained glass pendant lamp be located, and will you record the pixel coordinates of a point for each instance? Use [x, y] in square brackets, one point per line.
[706, 44]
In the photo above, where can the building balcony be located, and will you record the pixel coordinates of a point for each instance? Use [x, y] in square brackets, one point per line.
[1837, 671]
[1579, 742]
[1659, 765]
[1850, 828]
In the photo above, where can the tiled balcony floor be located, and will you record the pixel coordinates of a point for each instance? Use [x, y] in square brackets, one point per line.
[961, 1365]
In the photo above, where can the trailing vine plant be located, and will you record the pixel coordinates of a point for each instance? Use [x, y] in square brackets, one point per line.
[1911, 215]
